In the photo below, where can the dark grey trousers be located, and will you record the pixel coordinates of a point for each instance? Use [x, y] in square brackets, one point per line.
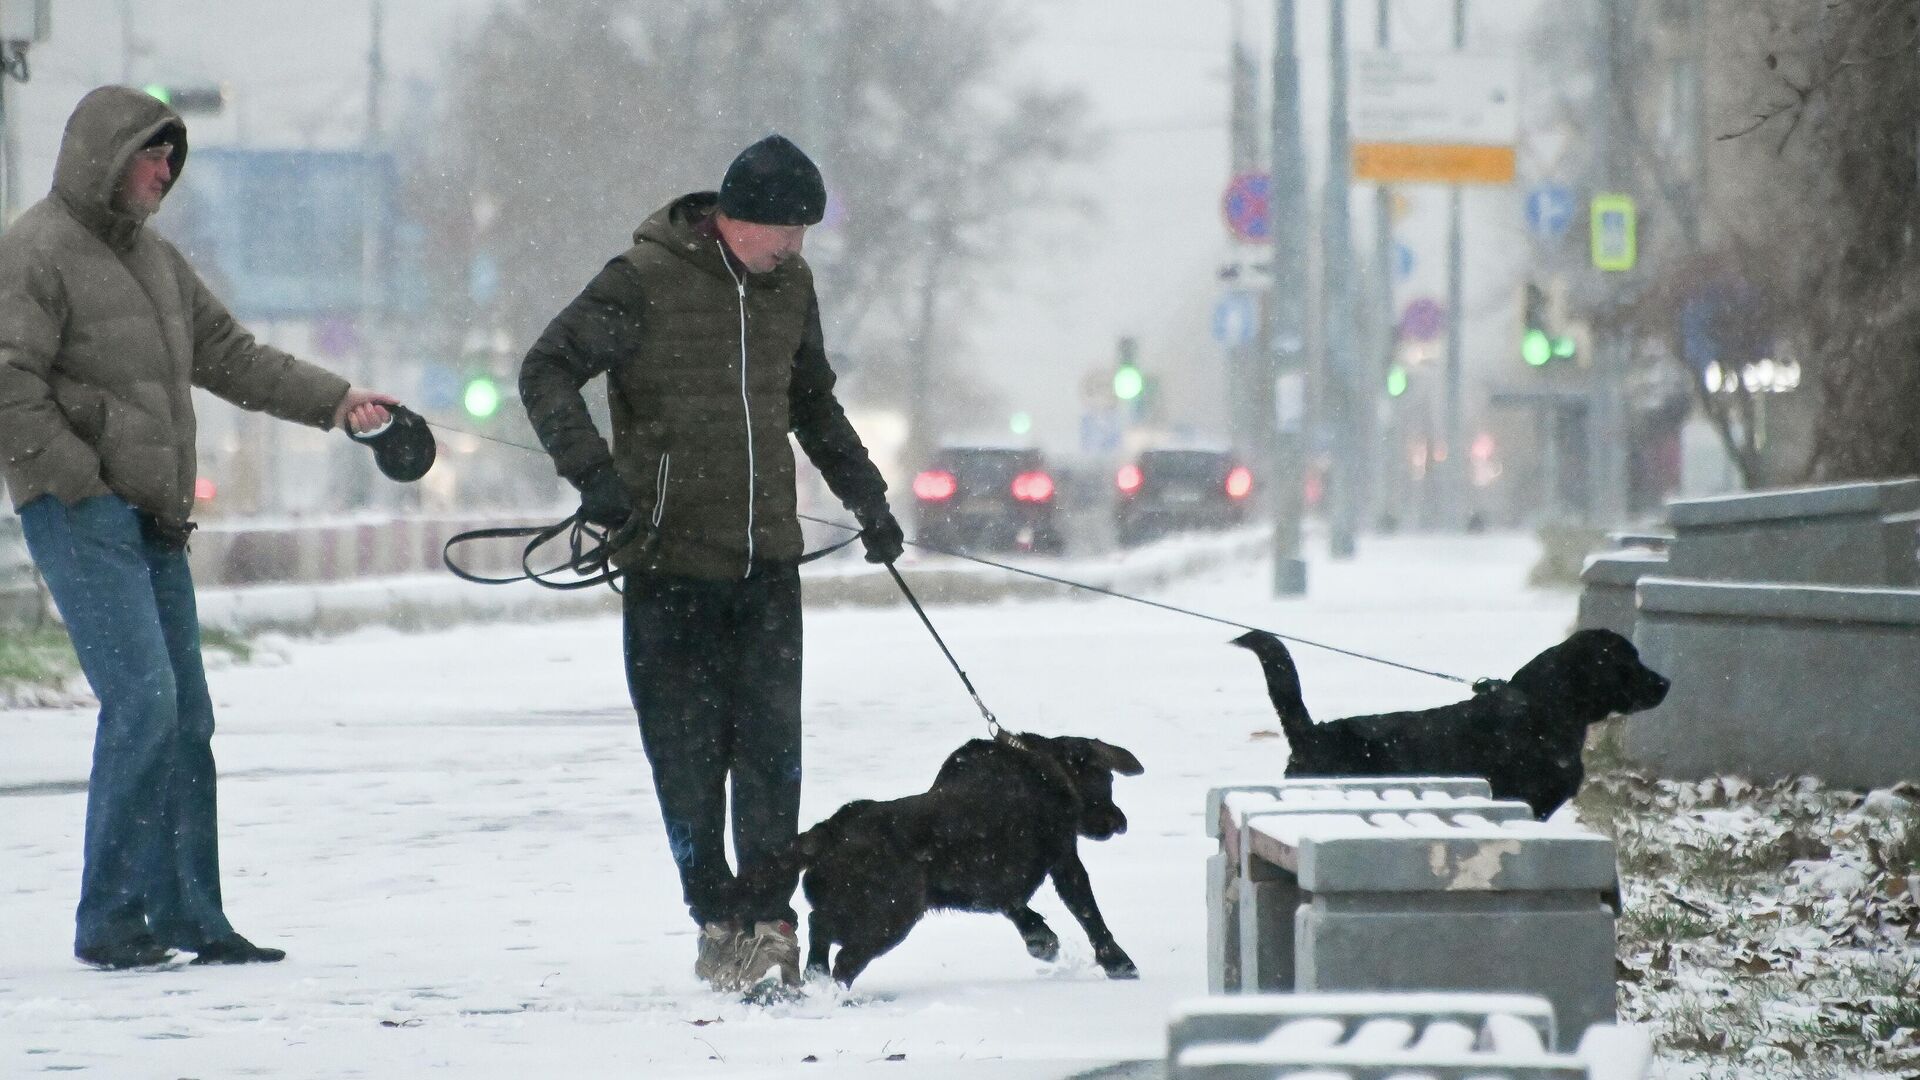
[714, 670]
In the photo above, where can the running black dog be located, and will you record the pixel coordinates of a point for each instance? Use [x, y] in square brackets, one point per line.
[998, 820]
[1523, 735]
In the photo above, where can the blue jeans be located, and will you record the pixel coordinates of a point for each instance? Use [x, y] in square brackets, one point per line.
[152, 843]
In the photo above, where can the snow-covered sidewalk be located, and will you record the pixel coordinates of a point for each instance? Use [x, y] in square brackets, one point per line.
[455, 836]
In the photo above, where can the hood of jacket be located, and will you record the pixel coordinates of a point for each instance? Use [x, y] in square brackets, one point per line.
[676, 227]
[106, 129]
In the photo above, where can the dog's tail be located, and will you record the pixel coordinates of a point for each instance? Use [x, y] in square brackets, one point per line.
[1283, 684]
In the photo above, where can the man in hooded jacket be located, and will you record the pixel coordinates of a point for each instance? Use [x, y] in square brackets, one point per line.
[709, 334]
[104, 328]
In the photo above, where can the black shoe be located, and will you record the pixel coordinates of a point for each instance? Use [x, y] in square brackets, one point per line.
[234, 949]
[141, 952]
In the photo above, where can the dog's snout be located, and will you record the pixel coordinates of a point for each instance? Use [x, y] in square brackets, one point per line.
[1105, 822]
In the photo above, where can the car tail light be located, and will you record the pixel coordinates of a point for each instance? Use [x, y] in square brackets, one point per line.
[1239, 482]
[1033, 487]
[1129, 479]
[935, 485]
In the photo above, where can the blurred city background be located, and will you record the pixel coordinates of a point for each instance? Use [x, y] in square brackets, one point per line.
[1556, 262]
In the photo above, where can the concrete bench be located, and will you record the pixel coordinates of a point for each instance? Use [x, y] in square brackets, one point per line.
[1452, 1036]
[1240, 959]
[1438, 901]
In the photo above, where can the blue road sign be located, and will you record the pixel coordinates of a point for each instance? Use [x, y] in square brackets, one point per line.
[230, 213]
[1550, 210]
[1402, 261]
[1235, 318]
[1245, 206]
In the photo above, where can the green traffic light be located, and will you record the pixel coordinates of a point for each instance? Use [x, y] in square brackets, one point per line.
[1535, 348]
[159, 93]
[482, 398]
[1128, 382]
[1020, 423]
[1396, 381]
[1563, 348]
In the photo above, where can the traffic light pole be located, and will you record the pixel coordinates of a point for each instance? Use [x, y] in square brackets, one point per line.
[1341, 411]
[1382, 456]
[1453, 471]
[1287, 307]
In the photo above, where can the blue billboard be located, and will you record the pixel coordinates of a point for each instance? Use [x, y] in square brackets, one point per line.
[278, 234]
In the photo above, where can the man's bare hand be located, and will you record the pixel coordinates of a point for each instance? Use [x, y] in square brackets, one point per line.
[362, 410]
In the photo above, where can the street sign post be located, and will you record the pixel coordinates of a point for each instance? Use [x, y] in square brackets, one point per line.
[1235, 317]
[1245, 207]
[1550, 210]
[1614, 240]
[1441, 118]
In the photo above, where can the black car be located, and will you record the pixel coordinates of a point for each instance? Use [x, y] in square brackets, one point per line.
[1168, 491]
[987, 498]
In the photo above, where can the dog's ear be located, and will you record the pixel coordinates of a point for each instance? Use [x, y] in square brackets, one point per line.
[1116, 758]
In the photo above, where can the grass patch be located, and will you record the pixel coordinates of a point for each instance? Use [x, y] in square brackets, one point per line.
[36, 657]
[1767, 930]
[43, 657]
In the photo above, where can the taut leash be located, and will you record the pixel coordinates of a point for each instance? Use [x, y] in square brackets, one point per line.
[1070, 583]
[994, 729]
[605, 573]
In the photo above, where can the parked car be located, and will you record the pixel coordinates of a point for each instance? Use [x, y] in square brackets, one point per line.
[987, 498]
[1168, 491]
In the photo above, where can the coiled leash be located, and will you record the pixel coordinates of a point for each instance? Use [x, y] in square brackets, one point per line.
[590, 551]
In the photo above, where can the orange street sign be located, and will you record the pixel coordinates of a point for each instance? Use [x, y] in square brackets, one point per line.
[1421, 163]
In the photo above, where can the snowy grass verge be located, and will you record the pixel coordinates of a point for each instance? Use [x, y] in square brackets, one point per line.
[1767, 929]
[38, 668]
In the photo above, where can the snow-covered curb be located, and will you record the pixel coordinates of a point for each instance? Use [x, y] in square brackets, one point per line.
[425, 601]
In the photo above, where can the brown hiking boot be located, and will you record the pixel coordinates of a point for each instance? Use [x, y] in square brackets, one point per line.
[721, 948]
[771, 952]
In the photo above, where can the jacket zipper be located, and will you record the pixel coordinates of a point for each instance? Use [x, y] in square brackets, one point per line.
[746, 409]
[660, 488]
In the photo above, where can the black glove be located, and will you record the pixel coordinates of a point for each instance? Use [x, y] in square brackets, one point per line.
[881, 534]
[604, 500]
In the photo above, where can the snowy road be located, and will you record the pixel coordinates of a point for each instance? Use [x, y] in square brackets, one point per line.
[455, 837]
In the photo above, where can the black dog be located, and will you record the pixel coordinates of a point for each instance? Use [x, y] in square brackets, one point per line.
[1523, 735]
[998, 820]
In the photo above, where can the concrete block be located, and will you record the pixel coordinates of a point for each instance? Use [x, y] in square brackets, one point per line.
[1607, 588]
[1302, 787]
[1771, 681]
[1429, 900]
[1231, 879]
[1250, 1018]
[1833, 534]
[1451, 1036]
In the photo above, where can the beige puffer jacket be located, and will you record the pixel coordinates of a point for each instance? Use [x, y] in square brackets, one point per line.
[104, 327]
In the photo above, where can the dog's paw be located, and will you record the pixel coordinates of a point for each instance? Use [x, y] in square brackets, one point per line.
[1044, 947]
[1117, 964]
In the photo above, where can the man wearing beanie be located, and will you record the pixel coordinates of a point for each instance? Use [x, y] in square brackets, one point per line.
[708, 332]
[104, 330]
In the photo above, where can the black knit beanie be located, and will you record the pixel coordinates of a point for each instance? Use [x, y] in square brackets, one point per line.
[773, 182]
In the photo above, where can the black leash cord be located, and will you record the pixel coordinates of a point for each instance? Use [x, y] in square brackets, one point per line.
[1153, 603]
[993, 723]
[530, 576]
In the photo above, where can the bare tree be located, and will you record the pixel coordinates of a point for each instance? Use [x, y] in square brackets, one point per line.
[571, 120]
[1838, 107]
